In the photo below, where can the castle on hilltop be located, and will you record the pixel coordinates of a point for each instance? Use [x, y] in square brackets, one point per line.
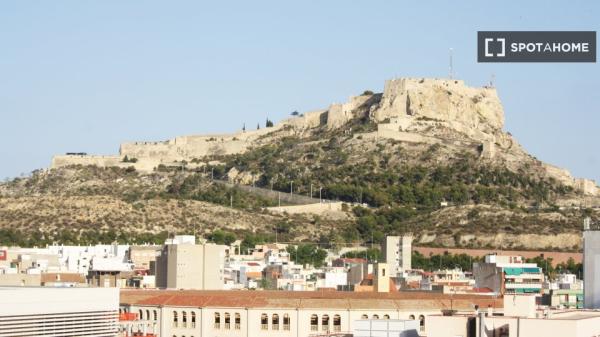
[417, 110]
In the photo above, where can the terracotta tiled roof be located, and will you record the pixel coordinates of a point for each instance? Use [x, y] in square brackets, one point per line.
[303, 299]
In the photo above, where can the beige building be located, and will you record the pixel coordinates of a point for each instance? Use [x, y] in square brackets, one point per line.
[282, 313]
[143, 256]
[397, 252]
[191, 266]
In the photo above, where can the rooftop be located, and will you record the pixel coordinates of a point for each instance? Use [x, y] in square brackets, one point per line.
[304, 299]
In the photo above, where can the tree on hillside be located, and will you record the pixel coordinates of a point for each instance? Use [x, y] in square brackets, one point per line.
[295, 113]
[307, 254]
[269, 123]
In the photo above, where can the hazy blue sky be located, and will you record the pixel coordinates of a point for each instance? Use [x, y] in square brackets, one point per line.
[87, 75]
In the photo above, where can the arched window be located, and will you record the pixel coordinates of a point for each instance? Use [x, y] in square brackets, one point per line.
[140, 314]
[148, 314]
[314, 322]
[364, 316]
[422, 322]
[238, 321]
[337, 323]
[386, 316]
[275, 322]
[193, 319]
[325, 322]
[411, 317]
[227, 321]
[155, 315]
[175, 322]
[184, 319]
[375, 316]
[217, 320]
[264, 322]
[286, 322]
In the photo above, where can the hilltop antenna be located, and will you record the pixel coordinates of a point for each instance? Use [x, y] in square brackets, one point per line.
[451, 67]
[492, 80]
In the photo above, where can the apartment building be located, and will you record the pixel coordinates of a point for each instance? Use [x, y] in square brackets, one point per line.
[186, 265]
[505, 274]
[397, 253]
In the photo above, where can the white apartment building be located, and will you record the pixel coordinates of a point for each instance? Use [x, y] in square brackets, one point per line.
[58, 312]
[397, 253]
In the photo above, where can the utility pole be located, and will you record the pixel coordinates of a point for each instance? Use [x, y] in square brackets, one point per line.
[311, 191]
[291, 189]
[212, 173]
[231, 200]
[320, 199]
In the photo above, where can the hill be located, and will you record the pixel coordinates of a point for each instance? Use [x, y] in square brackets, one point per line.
[426, 156]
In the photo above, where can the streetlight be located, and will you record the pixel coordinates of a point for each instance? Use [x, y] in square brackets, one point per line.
[320, 199]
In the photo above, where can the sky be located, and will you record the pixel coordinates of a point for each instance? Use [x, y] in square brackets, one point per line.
[84, 76]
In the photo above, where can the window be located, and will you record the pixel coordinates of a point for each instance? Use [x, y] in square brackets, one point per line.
[383, 272]
[238, 321]
[314, 322]
[275, 322]
[286, 322]
[217, 320]
[364, 316]
[337, 323]
[375, 316]
[148, 314]
[140, 314]
[193, 319]
[227, 321]
[175, 323]
[155, 315]
[184, 319]
[325, 322]
[422, 322]
[264, 322]
[386, 316]
[411, 317]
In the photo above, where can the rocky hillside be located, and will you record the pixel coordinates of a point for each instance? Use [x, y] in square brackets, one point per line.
[426, 156]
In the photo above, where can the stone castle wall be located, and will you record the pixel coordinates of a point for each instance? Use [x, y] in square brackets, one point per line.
[406, 110]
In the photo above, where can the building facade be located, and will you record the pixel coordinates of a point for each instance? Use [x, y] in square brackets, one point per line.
[281, 313]
[191, 266]
[397, 253]
[55, 312]
[591, 266]
[508, 275]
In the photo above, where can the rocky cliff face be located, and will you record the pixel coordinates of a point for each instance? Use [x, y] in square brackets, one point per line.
[430, 111]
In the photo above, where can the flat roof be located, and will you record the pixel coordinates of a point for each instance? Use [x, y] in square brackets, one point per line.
[305, 299]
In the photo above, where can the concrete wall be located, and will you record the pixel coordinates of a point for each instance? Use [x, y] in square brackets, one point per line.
[591, 269]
